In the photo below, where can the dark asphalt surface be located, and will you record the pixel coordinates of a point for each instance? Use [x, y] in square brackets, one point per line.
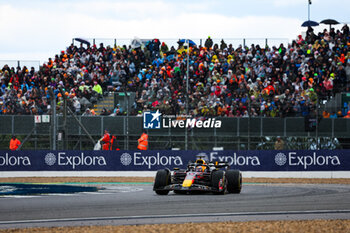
[138, 204]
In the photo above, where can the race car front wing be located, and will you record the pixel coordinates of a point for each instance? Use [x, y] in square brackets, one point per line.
[193, 187]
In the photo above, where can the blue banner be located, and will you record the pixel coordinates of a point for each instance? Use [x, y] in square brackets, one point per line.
[300, 160]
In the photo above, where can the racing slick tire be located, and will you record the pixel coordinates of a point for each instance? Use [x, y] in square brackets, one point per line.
[234, 181]
[163, 178]
[216, 176]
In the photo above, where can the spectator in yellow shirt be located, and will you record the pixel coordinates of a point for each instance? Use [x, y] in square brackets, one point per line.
[97, 88]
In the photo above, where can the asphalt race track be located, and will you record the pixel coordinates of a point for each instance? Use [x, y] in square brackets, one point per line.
[138, 204]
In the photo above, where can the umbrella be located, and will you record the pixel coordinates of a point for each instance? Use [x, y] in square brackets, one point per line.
[82, 41]
[330, 22]
[309, 23]
[136, 43]
[182, 41]
[85, 102]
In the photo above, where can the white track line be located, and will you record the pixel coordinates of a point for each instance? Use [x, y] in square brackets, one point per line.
[178, 216]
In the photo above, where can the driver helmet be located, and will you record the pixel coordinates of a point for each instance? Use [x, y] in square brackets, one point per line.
[201, 168]
[200, 161]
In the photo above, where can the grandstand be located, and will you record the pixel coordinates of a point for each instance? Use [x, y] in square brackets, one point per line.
[307, 79]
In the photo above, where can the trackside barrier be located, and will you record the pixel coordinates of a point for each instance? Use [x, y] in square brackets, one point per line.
[124, 161]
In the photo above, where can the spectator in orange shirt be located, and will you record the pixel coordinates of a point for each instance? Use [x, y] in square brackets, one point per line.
[326, 114]
[348, 115]
[14, 143]
[143, 141]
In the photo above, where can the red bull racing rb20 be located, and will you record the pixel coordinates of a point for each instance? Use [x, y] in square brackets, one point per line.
[200, 176]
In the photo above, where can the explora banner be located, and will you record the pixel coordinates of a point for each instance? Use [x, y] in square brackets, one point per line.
[302, 160]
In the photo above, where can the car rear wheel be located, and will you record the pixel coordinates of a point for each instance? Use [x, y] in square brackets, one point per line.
[234, 181]
[163, 178]
[218, 181]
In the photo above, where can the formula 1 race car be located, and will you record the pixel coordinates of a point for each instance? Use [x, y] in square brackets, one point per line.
[200, 176]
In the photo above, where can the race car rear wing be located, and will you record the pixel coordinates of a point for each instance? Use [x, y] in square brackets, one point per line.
[210, 165]
[219, 164]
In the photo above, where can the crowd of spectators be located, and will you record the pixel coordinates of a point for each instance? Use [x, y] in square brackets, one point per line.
[282, 81]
